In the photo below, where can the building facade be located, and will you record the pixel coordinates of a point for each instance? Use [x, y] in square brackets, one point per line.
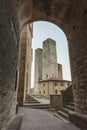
[52, 87]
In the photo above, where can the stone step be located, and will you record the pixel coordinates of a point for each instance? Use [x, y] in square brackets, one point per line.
[31, 101]
[30, 98]
[67, 110]
[70, 107]
[63, 114]
[60, 117]
[42, 106]
[38, 106]
[50, 109]
[71, 103]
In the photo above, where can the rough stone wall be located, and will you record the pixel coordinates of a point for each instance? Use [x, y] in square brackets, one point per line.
[49, 60]
[25, 60]
[9, 48]
[67, 95]
[56, 102]
[28, 61]
[22, 59]
[78, 60]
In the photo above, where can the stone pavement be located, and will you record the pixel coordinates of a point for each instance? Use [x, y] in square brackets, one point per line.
[35, 119]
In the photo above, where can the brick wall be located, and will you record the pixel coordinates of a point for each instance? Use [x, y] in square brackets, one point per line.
[78, 60]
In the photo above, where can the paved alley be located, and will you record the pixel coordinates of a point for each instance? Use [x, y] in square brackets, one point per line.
[35, 119]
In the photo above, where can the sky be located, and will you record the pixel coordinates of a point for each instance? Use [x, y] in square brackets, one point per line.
[44, 30]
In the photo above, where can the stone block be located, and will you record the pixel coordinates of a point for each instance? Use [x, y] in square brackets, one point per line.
[56, 101]
[78, 119]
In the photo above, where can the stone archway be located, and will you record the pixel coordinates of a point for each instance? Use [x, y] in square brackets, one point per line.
[70, 15]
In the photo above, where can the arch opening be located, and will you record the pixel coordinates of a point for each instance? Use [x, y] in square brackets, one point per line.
[42, 31]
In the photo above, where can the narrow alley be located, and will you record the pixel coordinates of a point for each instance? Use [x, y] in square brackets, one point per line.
[35, 119]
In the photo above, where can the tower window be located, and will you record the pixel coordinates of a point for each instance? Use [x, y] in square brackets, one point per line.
[74, 27]
[44, 92]
[84, 12]
[39, 92]
[46, 75]
[68, 84]
[61, 84]
[55, 84]
[56, 91]
[43, 84]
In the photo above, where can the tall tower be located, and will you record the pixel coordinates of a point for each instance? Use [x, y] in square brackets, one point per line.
[38, 65]
[49, 60]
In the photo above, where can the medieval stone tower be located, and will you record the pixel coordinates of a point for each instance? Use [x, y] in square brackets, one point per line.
[38, 65]
[46, 66]
[49, 60]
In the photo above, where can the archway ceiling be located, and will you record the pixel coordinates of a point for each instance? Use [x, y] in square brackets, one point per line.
[64, 13]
